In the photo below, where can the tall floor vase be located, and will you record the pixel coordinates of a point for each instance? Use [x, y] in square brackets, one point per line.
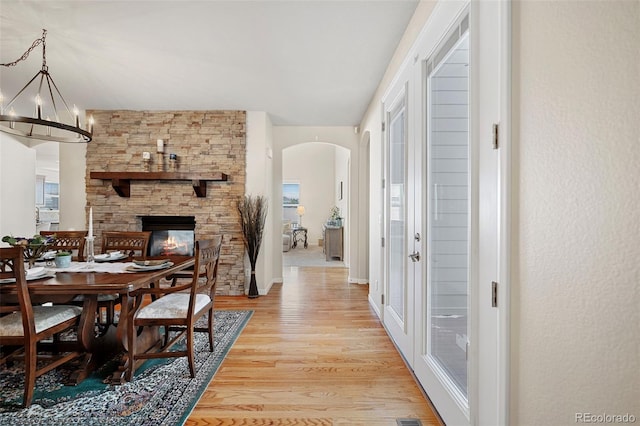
[253, 286]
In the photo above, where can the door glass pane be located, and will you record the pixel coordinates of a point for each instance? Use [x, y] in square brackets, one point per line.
[448, 176]
[397, 208]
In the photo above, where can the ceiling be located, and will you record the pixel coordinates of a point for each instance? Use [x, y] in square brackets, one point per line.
[305, 62]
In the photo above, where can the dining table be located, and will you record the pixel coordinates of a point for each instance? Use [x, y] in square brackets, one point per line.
[62, 285]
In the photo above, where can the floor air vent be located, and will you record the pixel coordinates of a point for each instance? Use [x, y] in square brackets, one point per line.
[408, 422]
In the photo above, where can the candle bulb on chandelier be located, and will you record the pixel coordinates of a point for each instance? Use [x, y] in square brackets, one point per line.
[77, 114]
[12, 113]
[39, 106]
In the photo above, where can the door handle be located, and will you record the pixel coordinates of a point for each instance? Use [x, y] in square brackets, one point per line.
[415, 257]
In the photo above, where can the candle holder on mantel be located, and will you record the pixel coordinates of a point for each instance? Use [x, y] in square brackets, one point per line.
[90, 253]
[146, 161]
[173, 162]
[160, 165]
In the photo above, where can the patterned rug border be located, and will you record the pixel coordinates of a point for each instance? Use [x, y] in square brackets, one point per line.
[150, 399]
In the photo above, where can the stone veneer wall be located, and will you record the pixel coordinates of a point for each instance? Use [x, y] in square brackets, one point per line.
[205, 141]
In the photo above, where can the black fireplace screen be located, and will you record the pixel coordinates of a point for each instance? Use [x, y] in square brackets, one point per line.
[170, 235]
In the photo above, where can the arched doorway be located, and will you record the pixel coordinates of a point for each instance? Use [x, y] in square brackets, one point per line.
[316, 181]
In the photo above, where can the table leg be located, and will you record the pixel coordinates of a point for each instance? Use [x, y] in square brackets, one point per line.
[86, 337]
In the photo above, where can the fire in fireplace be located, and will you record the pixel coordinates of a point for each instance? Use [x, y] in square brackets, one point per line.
[170, 235]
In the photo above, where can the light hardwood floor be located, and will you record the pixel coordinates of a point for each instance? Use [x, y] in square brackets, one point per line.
[314, 353]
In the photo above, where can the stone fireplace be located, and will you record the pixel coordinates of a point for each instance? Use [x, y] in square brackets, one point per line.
[204, 142]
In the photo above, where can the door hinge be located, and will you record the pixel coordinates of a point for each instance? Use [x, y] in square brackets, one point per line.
[496, 129]
[383, 183]
[382, 126]
[494, 294]
[382, 241]
[382, 299]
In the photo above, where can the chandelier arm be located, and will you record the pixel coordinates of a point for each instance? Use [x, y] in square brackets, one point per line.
[22, 90]
[50, 78]
[53, 100]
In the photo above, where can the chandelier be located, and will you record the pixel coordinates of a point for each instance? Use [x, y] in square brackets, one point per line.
[46, 123]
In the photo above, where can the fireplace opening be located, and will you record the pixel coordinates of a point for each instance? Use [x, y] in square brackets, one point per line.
[170, 235]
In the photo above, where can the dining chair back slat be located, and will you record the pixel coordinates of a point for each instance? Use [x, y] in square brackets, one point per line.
[133, 243]
[73, 241]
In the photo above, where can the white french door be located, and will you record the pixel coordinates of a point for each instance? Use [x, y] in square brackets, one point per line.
[399, 218]
[442, 361]
[444, 266]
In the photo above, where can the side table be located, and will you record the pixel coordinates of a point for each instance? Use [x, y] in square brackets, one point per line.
[299, 234]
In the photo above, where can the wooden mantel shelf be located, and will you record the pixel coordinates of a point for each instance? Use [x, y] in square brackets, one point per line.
[121, 181]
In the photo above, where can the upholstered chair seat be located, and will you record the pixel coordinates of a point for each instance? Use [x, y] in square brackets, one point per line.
[44, 317]
[175, 305]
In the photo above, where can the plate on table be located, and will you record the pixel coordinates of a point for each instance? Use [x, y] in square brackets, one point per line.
[150, 262]
[36, 273]
[143, 268]
[109, 257]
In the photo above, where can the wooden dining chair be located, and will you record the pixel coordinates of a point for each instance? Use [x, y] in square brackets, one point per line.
[72, 241]
[24, 325]
[131, 243]
[178, 309]
[134, 243]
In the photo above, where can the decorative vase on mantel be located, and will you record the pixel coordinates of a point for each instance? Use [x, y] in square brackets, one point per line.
[253, 215]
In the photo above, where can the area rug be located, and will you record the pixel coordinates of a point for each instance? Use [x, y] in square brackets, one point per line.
[163, 393]
[310, 256]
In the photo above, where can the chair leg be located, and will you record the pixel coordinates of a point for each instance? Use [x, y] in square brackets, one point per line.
[131, 349]
[30, 365]
[190, 344]
[110, 312]
[211, 330]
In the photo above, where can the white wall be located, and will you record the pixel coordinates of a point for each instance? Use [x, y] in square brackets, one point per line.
[259, 182]
[576, 223]
[73, 196]
[17, 188]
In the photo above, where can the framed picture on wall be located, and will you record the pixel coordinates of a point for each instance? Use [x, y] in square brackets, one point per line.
[290, 194]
